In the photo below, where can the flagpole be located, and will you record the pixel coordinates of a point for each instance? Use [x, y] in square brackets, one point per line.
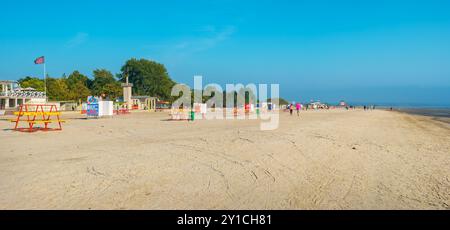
[45, 82]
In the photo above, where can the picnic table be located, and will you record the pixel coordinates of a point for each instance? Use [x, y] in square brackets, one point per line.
[31, 115]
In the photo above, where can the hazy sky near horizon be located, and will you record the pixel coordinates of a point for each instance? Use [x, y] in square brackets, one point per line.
[363, 51]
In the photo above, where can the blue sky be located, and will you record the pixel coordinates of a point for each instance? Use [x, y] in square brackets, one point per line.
[361, 51]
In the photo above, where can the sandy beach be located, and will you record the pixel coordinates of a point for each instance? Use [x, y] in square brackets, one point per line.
[323, 160]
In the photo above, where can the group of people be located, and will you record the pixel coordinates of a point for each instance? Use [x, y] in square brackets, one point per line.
[297, 106]
[369, 107]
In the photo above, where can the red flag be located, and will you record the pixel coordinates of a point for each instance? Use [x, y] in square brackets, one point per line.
[39, 60]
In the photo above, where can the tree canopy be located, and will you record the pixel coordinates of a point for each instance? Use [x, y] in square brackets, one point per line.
[77, 84]
[57, 89]
[281, 101]
[33, 82]
[105, 84]
[148, 77]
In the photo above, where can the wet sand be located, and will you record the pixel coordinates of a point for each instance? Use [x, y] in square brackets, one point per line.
[440, 114]
[322, 160]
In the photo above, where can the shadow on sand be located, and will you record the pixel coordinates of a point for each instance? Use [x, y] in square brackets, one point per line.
[172, 120]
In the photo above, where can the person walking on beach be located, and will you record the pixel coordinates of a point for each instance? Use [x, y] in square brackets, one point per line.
[298, 107]
[291, 109]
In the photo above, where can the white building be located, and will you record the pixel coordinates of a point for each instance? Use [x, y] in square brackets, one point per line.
[12, 95]
[144, 102]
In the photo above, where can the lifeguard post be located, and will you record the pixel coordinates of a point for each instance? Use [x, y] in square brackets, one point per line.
[127, 93]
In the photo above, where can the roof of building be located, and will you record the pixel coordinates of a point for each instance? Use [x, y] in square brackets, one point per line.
[7, 82]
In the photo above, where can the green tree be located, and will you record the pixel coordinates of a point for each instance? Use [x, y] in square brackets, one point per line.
[77, 85]
[33, 82]
[57, 89]
[105, 83]
[281, 101]
[148, 77]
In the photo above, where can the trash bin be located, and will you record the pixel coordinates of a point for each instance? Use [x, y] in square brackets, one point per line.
[192, 115]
